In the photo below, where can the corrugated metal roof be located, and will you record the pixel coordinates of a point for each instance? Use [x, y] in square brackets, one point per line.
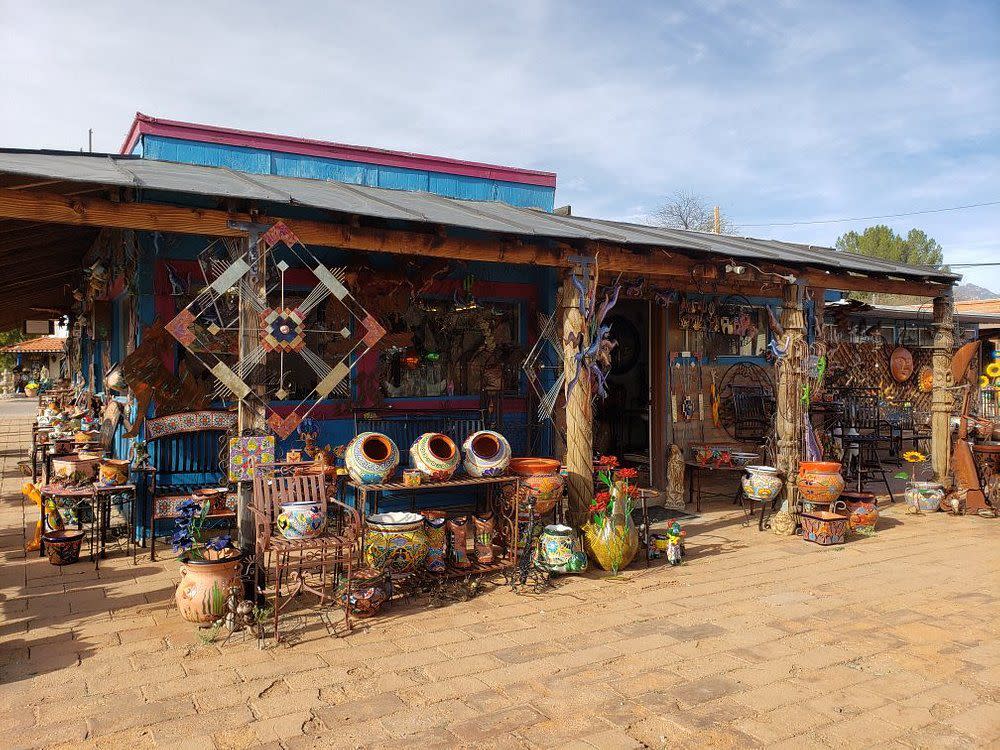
[125, 171]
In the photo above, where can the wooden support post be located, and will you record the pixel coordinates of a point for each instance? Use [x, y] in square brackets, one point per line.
[819, 312]
[942, 399]
[579, 409]
[790, 380]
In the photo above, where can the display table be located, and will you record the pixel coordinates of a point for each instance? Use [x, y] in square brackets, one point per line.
[695, 472]
[100, 500]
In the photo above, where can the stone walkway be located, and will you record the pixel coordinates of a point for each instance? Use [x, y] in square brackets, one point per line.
[889, 641]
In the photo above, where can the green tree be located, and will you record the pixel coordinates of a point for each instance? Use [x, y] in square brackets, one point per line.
[879, 241]
[13, 336]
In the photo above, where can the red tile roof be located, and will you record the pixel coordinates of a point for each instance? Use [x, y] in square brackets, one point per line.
[41, 345]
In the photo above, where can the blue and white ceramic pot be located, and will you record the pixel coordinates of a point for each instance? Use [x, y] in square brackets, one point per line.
[371, 458]
[435, 456]
[761, 483]
[487, 454]
[301, 520]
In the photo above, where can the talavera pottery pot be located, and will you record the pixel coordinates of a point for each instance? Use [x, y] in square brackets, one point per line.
[614, 543]
[761, 483]
[112, 472]
[434, 528]
[862, 510]
[925, 496]
[560, 550]
[205, 585]
[820, 481]
[541, 480]
[395, 542]
[435, 456]
[371, 457]
[823, 528]
[63, 545]
[73, 468]
[370, 589]
[487, 454]
[302, 520]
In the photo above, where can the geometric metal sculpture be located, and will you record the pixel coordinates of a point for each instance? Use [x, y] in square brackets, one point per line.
[209, 327]
[534, 365]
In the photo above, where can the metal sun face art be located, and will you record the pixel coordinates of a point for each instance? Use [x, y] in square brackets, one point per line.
[284, 328]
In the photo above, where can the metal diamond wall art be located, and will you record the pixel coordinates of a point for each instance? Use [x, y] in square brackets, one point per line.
[291, 320]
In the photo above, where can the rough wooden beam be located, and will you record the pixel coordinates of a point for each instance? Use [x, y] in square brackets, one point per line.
[848, 283]
[942, 400]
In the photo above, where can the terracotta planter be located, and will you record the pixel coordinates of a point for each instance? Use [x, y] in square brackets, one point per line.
[205, 585]
[63, 546]
[301, 520]
[541, 481]
[437, 547]
[487, 454]
[925, 496]
[370, 589]
[395, 542]
[862, 510]
[74, 469]
[435, 456]
[112, 472]
[824, 528]
[761, 483]
[820, 481]
[371, 457]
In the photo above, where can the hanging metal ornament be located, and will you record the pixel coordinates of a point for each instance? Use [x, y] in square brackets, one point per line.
[550, 337]
[207, 327]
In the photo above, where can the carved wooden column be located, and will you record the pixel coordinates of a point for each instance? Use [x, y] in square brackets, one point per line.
[579, 408]
[790, 381]
[942, 399]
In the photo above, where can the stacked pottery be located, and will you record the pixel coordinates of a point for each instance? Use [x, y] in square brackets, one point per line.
[395, 542]
[301, 520]
[924, 496]
[820, 484]
[487, 454]
[761, 483]
[435, 456]
[371, 457]
[541, 481]
[862, 510]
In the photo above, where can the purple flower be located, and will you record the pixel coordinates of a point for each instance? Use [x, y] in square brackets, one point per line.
[219, 543]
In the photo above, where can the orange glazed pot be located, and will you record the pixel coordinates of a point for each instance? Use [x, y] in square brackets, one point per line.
[820, 481]
[541, 480]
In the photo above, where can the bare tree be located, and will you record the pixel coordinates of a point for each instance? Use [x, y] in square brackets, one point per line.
[687, 210]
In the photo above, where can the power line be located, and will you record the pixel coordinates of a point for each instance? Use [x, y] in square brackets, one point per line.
[868, 218]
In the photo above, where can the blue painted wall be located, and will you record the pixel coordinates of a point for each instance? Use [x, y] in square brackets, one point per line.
[260, 161]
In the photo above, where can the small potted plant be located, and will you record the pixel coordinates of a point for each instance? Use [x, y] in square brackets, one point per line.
[31, 388]
[210, 569]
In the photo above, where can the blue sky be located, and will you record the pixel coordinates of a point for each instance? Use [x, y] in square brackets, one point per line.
[781, 111]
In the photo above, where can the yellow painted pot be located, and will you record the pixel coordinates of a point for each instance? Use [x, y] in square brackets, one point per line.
[613, 544]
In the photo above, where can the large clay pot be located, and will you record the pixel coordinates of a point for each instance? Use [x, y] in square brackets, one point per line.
[63, 546]
[112, 472]
[823, 528]
[820, 481]
[73, 469]
[559, 550]
[541, 481]
[371, 457]
[205, 585]
[862, 510]
[925, 496]
[435, 456]
[370, 588]
[395, 542]
[487, 454]
[761, 483]
[301, 520]
[613, 544]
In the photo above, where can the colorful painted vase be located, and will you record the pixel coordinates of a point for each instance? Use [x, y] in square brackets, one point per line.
[614, 543]
[205, 585]
[487, 454]
[560, 550]
[823, 528]
[73, 469]
[541, 480]
[761, 483]
[395, 542]
[862, 509]
[820, 481]
[301, 520]
[925, 496]
[435, 456]
[437, 547]
[63, 546]
[370, 589]
[482, 541]
[371, 457]
[112, 472]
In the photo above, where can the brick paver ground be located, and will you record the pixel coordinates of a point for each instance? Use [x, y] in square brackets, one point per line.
[890, 641]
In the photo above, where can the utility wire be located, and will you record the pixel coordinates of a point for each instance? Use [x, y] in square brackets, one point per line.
[868, 218]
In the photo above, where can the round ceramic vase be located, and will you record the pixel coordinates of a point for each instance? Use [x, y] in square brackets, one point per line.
[371, 457]
[559, 550]
[395, 542]
[435, 456]
[925, 496]
[820, 481]
[541, 480]
[862, 509]
[205, 585]
[487, 454]
[301, 520]
[761, 483]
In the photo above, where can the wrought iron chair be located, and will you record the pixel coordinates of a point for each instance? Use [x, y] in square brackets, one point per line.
[753, 412]
[863, 432]
[309, 564]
